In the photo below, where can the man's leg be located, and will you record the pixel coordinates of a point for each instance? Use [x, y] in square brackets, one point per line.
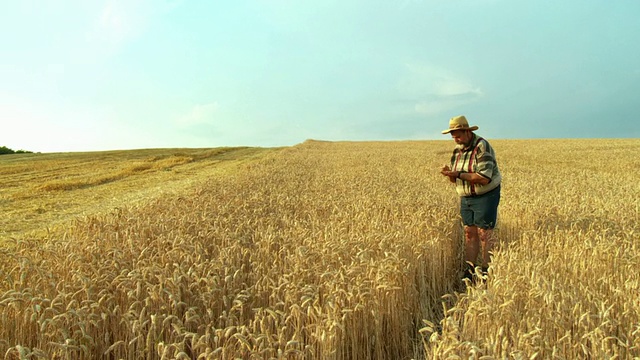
[486, 240]
[487, 217]
[471, 244]
[471, 250]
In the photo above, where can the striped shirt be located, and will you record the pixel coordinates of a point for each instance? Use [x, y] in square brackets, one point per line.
[479, 158]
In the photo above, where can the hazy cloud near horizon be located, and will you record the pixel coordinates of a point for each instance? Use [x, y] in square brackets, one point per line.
[116, 74]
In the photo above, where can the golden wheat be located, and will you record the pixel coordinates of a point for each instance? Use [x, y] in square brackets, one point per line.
[565, 282]
[340, 251]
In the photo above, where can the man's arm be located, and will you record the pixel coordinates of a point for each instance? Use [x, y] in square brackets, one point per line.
[473, 178]
[446, 171]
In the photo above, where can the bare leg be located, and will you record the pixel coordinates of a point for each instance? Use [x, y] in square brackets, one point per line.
[471, 244]
[487, 240]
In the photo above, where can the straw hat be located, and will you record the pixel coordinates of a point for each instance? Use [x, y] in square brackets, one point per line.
[459, 123]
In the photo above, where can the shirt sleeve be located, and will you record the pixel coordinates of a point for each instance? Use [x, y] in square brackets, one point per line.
[485, 160]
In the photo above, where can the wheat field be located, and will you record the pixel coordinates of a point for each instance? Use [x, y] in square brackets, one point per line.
[324, 250]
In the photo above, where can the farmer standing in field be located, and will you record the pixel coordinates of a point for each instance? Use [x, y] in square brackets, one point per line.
[474, 170]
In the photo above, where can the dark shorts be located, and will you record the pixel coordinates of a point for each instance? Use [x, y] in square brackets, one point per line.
[480, 210]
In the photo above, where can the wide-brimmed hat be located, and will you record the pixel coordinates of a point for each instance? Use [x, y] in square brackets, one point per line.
[459, 123]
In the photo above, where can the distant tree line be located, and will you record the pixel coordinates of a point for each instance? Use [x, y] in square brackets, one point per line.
[5, 150]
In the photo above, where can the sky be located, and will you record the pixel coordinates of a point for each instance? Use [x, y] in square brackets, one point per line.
[79, 75]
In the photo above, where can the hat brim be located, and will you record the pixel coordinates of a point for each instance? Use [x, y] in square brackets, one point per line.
[472, 128]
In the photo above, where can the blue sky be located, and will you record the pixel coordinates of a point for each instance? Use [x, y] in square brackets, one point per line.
[127, 74]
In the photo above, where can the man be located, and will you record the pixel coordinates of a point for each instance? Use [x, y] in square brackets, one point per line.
[475, 172]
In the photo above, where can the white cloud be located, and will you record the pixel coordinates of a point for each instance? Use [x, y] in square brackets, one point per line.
[199, 114]
[436, 81]
[114, 24]
[119, 21]
[434, 107]
[437, 89]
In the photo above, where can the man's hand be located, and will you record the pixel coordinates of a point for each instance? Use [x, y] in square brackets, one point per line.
[473, 178]
[446, 171]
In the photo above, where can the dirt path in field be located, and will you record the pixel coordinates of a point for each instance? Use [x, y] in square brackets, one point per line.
[45, 192]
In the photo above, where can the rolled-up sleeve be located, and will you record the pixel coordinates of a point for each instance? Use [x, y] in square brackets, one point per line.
[486, 160]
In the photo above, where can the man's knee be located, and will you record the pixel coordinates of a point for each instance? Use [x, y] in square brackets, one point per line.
[471, 232]
[485, 235]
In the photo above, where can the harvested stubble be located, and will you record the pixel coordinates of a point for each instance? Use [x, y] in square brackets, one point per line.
[40, 191]
[324, 250]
